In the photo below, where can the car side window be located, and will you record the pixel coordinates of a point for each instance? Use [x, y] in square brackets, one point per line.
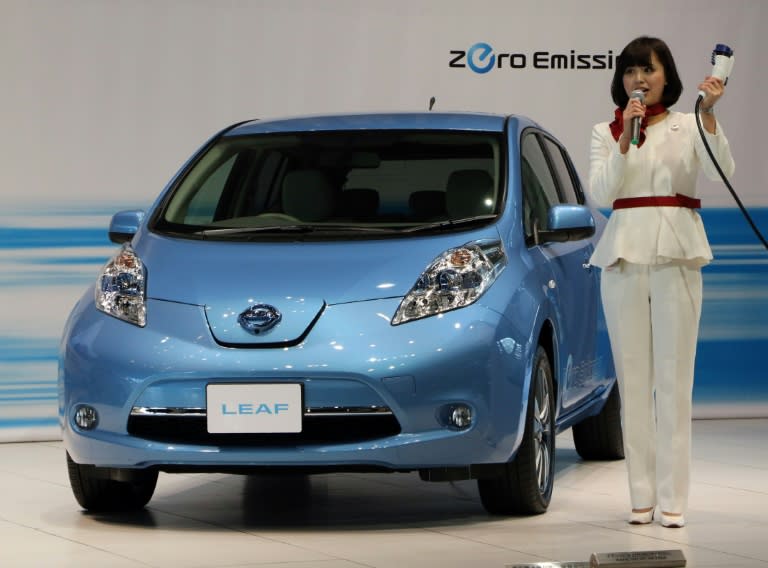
[539, 186]
[561, 163]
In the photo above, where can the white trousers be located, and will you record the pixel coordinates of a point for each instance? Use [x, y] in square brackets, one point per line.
[653, 312]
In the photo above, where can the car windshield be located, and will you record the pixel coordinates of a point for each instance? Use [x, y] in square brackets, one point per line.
[361, 183]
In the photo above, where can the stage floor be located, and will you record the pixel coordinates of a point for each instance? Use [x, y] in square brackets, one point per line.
[381, 520]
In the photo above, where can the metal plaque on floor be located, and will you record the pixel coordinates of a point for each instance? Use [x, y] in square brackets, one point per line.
[638, 559]
[550, 565]
[631, 559]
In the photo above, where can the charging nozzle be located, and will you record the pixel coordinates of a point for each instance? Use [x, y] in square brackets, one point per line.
[722, 64]
[722, 58]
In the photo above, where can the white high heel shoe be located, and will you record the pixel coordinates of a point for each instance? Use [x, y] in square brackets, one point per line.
[641, 517]
[672, 521]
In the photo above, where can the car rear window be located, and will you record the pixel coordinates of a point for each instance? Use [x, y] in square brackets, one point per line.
[337, 180]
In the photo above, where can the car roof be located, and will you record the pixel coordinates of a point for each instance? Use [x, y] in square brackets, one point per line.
[461, 121]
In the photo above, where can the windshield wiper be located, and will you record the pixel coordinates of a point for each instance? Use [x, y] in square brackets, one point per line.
[296, 229]
[224, 231]
[449, 224]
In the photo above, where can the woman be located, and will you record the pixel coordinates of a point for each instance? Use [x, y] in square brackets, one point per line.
[651, 254]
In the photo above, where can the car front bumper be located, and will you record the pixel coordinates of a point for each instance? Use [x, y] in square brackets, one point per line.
[353, 358]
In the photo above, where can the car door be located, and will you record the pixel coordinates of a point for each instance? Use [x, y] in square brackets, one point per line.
[548, 179]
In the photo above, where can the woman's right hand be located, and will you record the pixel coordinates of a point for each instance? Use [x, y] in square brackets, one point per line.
[634, 109]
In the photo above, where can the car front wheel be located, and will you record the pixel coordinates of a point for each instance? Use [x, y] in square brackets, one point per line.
[96, 491]
[525, 487]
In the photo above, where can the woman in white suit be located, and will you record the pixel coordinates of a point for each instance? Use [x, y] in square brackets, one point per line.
[651, 254]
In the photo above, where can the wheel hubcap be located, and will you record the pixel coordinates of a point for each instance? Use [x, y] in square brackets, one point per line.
[542, 430]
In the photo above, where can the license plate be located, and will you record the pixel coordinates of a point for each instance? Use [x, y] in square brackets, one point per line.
[254, 408]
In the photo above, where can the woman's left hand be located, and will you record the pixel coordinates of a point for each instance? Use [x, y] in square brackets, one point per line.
[713, 88]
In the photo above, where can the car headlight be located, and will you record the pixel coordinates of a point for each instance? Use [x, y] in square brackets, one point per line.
[121, 288]
[455, 279]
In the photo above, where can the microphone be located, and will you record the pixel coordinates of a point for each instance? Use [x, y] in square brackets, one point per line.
[722, 64]
[639, 95]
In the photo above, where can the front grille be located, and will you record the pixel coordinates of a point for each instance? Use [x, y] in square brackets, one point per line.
[178, 427]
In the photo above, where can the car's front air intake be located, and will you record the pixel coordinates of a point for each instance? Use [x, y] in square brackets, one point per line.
[335, 425]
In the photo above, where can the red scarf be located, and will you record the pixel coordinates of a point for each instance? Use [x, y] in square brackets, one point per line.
[617, 126]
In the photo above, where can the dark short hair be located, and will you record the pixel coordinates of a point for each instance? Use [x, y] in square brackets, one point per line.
[638, 53]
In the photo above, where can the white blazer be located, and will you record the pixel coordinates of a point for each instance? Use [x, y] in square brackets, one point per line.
[667, 163]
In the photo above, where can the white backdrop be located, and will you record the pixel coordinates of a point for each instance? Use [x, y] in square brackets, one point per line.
[102, 100]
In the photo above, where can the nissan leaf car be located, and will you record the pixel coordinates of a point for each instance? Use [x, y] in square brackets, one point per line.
[403, 292]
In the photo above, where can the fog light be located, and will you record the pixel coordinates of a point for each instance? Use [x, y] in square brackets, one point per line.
[460, 416]
[86, 417]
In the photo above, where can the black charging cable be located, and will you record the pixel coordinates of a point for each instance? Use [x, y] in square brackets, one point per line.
[725, 178]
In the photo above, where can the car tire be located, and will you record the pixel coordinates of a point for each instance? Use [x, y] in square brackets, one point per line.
[95, 492]
[599, 437]
[525, 487]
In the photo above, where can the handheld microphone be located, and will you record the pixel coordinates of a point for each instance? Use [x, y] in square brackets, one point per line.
[639, 95]
[722, 61]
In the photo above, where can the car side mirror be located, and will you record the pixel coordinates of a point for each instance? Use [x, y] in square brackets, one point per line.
[567, 223]
[124, 225]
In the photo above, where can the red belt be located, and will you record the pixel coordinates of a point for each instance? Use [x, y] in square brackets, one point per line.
[676, 200]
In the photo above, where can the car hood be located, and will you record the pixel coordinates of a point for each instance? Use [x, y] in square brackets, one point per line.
[297, 279]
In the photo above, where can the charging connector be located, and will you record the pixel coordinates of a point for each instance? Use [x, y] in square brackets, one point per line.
[722, 65]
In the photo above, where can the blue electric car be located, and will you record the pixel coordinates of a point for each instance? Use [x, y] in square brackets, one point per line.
[373, 292]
